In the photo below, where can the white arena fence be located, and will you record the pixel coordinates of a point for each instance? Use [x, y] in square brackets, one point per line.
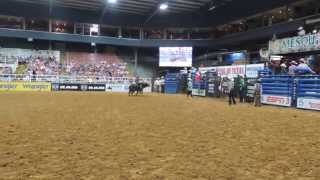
[72, 83]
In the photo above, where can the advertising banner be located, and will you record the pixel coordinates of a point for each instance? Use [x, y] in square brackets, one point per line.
[122, 88]
[25, 86]
[96, 87]
[276, 100]
[69, 87]
[250, 70]
[117, 87]
[199, 92]
[310, 42]
[308, 103]
[78, 87]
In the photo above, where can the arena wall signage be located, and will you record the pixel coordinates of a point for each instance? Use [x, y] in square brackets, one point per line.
[25, 86]
[122, 88]
[276, 100]
[308, 93]
[96, 87]
[78, 87]
[310, 42]
[308, 103]
[69, 87]
[251, 70]
[199, 92]
[117, 87]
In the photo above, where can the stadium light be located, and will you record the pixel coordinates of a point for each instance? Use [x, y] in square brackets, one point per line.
[212, 8]
[163, 6]
[30, 39]
[112, 1]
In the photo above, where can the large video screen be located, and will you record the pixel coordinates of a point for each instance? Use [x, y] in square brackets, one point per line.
[175, 57]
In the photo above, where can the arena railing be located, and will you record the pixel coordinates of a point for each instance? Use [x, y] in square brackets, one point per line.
[70, 79]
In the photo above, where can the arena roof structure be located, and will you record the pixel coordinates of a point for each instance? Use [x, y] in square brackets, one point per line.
[180, 13]
[140, 7]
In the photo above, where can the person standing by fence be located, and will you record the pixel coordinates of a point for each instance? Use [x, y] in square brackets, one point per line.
[257, 95]
[157, 85]
[162, 84]
[198, 78]
[241, 89]
[189, 88]
[231, 92]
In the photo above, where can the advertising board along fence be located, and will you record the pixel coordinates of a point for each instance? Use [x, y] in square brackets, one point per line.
[297, 91]
[25, 86]
[78, 83]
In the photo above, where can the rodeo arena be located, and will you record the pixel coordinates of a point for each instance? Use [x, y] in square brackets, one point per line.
[160, 89]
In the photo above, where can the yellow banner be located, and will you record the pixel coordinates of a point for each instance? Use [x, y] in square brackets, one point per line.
[25, 86]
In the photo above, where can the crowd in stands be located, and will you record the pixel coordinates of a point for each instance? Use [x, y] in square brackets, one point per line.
[6, 70]
[39, 65]
[97, 69]
[74, 63]
[292, 67]
[86, 64]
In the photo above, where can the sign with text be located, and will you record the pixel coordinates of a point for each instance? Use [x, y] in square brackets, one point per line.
[250, 70]
[276, 100]
[308, 103]
[69, 87]
[96, 87]
[25, 86]
[122, 88]
[199, 92]
[310, 42]
[117, 87]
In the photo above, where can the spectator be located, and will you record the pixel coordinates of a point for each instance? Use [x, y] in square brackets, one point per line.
[303, 68]
[292, 68]
[283, 67]
[301, 31]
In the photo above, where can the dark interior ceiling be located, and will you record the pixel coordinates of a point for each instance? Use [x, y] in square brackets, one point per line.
[181, 13]
[140, 7]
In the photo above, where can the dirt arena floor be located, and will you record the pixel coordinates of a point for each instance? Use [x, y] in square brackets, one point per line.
[112, 136]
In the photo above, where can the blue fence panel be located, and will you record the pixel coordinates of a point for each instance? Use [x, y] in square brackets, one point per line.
[172, 83]
[277, 90]
[308, 93]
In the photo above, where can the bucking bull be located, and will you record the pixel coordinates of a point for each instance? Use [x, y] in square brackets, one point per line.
[135, 89]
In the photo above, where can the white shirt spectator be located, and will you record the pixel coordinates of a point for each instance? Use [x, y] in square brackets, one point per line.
[292, 69]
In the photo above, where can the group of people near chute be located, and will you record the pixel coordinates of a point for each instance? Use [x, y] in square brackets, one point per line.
[227, 86]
